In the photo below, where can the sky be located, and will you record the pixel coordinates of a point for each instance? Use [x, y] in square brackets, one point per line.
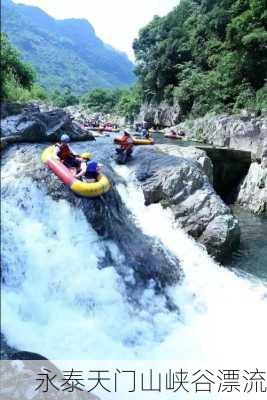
[117, 22]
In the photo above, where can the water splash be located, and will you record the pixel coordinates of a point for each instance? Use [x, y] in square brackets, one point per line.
[222, 313]
[57, 302]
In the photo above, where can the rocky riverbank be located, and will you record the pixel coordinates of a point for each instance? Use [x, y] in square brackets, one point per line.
[27, 123]
[180, 179]
[81, 113]
[243, 132]
[208, 220]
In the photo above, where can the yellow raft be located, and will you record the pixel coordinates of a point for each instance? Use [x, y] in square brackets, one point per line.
[155, 131]
[136, 141]
[85, 189]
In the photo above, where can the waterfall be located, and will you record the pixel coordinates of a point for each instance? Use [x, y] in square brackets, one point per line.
[56, 301]
[222, 312]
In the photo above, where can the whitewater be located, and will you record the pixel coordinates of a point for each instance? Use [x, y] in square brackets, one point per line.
[57, 302]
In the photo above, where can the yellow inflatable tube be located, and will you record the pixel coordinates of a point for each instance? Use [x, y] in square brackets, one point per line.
[81, 188]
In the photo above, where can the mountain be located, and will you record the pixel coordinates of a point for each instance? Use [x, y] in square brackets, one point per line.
[65, 53]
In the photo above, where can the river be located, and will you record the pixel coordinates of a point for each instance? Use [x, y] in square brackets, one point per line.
[57, 302]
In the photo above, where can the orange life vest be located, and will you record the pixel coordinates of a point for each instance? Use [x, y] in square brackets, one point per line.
[126, 143]
[64, 151]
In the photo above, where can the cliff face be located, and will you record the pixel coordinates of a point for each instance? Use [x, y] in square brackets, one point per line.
[245, 132]
[162, 114]
[253, 191]
[240, 132]
[180, 179]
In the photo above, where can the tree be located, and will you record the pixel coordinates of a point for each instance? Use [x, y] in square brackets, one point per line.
[13, 68]
[64, 99]
[206, 54]
[17, 77]
[130, 102]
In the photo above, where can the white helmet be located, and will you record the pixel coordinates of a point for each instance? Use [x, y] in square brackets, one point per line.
[65, 138]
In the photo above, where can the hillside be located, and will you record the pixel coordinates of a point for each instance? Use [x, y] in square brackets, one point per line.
[64, 52]
[205, 55]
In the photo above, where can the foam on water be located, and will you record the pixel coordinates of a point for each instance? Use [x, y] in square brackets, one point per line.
[222, 314]
[55, 299]
[57, 302]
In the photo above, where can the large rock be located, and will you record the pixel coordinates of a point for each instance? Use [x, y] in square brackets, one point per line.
[236, 132]
[264, 153]
[35, 126]
[192, 153]
[182, 185]
[160, 114]
[8, 108]
[253, 190]
[245, 132]
[81, 113]
[108, 216]
[229, 169]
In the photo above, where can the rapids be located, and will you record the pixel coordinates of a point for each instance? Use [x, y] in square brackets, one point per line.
[59, 302]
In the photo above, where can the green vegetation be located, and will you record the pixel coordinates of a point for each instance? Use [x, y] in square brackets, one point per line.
[18, 80]
[18, 84]
[124, 102]
[206, 55]
[17, 77]
[102, 100]
[63, 99]
[130, 102]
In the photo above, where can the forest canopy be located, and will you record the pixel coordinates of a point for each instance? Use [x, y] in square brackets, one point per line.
[205, 55]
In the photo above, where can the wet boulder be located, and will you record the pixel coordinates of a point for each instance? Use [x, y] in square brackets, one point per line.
[161, 114]
[109, 217]
[253, 190]
[192, 153]
[252, 193]
[32, 125]
[181, 184]
[239, 132]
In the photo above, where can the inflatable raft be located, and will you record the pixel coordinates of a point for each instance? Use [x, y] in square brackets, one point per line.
[136, 141]
[155, 131]
[97, 129]
[171, 136]
[110, 129]
[85, 189]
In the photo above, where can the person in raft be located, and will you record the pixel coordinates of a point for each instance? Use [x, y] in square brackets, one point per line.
[126, 143]
[145, 133]
[90, 169]
[65, 154]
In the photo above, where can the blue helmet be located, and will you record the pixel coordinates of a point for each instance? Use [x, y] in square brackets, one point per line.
[92, 166]
[65, 138]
